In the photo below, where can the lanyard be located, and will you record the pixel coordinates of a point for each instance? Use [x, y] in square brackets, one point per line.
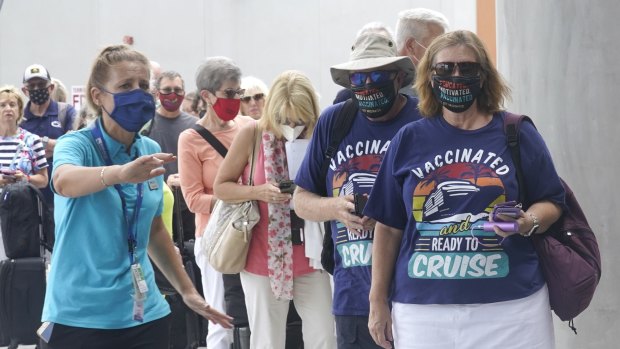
[132, 225]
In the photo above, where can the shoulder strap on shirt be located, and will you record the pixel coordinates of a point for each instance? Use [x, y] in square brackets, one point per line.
[340, 128]
[62, 113]
[512, 125]
[211, 139]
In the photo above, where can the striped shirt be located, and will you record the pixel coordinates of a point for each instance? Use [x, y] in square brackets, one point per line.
[23, 151]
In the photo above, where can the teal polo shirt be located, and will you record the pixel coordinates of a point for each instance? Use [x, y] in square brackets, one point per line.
[90, 284]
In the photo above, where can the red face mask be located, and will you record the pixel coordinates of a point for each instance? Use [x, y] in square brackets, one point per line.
[227, 108]
[171, 102]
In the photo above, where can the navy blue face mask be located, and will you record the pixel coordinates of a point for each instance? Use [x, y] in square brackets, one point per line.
[132, 109]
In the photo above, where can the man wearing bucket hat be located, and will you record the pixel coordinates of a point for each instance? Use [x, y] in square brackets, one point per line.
[375, 74]
[43, 116]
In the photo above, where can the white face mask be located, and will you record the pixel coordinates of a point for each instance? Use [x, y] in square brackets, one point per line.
[291, 133]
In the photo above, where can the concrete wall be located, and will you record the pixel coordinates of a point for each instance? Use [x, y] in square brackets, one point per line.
[264, 37]
[561, 58]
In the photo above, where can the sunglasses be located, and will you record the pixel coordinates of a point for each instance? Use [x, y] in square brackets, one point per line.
[377, 76]
[232, 93]
[257, 97]
[466, 69]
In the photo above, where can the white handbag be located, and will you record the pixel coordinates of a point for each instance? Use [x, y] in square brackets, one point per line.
[226, 239]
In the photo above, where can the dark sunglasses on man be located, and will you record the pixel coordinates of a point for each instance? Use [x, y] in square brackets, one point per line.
[257, 97]
[466, 69]
[358, 79]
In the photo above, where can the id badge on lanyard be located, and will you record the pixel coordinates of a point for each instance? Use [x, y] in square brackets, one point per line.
[140, 286]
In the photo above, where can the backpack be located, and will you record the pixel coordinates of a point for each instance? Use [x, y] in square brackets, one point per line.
[568, 252]
[62, 114]
[26, 221]
[340, 128]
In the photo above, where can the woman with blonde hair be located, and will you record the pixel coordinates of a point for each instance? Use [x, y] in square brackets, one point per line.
[253, 101]
[23, 156]
[277, 269]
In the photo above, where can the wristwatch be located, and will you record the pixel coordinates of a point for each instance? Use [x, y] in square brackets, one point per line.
[535, 225]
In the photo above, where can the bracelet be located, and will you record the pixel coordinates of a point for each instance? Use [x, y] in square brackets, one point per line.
[535, 225]
[101, 177]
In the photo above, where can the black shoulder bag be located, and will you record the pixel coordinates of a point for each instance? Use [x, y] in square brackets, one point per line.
[340, 128]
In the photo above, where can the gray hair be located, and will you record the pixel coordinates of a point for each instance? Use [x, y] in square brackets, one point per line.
[212, 74]
[375, 27]
[414, 23]
[169, 74]
[251, 82]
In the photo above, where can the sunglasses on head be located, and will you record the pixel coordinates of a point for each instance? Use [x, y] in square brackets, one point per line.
[232, 93]
[257, 97]
[466, 69]
[377, 76]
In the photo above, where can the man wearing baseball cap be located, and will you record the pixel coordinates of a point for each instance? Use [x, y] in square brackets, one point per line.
[43, 116]
[375, 74]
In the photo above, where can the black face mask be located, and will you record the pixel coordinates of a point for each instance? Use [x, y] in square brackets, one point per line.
[375, 100]
[39, 96]
[456, 93]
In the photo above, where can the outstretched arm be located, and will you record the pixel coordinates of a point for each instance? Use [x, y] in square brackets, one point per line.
[75, 181]
[161, 250]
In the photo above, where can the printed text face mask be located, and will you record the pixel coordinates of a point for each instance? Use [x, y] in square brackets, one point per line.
[456, 93]
[375, 100]
[132, 109]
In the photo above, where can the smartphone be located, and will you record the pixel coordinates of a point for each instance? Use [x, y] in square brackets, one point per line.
[510, 210]
[7, 174]
[359, 200]
[287, 187]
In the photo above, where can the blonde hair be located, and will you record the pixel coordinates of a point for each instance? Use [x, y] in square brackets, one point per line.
[12, 91]
[494, 91]
[292, 98]
[100, 71]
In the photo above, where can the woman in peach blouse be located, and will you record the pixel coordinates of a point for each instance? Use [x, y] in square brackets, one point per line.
[218, 81]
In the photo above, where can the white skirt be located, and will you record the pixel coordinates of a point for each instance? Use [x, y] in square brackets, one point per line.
[516, 324]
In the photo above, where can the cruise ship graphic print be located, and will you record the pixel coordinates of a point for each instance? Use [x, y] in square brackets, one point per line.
[445, 192]
[449, 205]
[450, 195]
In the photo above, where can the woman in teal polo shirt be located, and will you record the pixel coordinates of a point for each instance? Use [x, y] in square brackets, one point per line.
[108, 184]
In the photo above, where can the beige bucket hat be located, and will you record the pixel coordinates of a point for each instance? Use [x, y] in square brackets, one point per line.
[373, 51]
